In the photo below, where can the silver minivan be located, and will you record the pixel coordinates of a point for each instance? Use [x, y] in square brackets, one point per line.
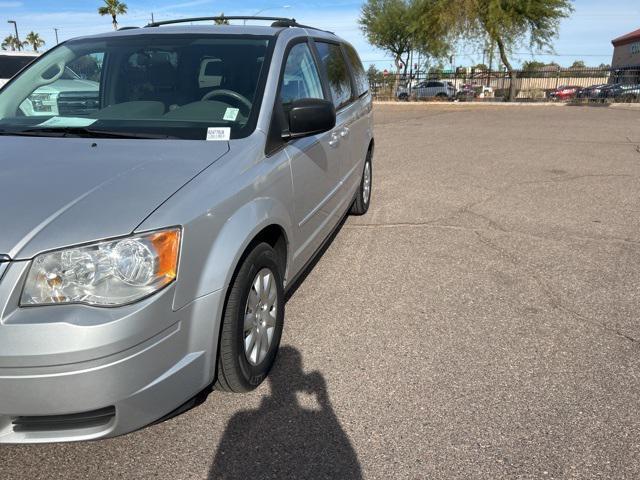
[151, 226]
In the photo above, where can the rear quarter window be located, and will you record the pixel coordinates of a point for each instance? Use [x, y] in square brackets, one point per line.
[359, 74]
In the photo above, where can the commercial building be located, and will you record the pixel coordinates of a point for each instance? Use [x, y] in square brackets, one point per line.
[626, 58]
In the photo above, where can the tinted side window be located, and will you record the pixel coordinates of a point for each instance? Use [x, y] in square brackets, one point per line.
[337, 72]
[359, 75]
[301, 77]
[10, 65]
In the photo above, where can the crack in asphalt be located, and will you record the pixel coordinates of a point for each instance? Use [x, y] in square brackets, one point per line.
[436, 224]
[554, 298]
[468, 208]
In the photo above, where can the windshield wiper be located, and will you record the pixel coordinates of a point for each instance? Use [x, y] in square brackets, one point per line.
[83, 132]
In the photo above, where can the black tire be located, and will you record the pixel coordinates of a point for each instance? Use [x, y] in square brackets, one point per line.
[442, 96]
[235, 372]
[361, 204]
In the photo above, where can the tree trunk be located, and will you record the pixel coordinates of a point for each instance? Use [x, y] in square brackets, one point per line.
[512, 74]
[115, 22]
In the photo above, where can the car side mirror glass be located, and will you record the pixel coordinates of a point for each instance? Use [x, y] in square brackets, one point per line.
[310, 116]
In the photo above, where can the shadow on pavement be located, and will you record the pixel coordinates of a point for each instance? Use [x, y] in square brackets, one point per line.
[294, 434]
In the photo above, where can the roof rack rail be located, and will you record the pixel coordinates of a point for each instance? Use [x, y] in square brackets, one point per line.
[221, 17]
[277, 21]
[127, 28]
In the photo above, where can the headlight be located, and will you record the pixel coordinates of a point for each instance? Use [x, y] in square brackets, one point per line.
[43, 102]
[104, 274]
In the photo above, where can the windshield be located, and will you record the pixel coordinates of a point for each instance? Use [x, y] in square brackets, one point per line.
[155, 86]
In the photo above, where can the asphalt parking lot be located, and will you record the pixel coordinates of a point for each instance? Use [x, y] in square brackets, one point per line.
[482, 321]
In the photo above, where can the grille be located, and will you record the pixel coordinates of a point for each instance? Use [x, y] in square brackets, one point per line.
[75, 421]
[78, 103]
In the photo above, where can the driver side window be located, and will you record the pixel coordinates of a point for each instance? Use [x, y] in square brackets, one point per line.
[301, 78]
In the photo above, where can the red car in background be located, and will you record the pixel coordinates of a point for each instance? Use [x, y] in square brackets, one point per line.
[564, 92]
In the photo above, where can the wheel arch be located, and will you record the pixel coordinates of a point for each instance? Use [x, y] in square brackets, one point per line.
[274, 234]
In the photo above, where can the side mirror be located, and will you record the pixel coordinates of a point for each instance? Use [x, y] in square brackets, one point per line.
[310, 116]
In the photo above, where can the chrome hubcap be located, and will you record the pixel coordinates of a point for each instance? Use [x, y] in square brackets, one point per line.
[366, 183]
[260, 316]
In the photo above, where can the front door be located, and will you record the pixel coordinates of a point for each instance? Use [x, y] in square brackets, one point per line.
[314, 159]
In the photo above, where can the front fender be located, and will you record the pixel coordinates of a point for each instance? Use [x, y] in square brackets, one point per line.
[231, 241]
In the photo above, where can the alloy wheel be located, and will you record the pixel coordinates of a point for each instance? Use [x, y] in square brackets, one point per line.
[260, 316]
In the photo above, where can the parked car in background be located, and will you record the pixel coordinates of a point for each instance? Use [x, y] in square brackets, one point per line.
[564, 92]
[69, 95]
[591, 92]
[470, 91]
[429, 89]
[147, 242]
[12, 62]
[606, 91]
[622, 92]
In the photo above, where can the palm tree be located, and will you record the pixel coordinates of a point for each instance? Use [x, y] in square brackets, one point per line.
[7, 43]
[113, 8]
[35, 41]
[221, 20]
[11, 43]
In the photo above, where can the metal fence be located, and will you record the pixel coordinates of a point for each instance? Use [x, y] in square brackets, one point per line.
[552, 84]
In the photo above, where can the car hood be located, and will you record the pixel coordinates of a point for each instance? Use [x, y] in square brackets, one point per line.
[70, 86]
[56, 192]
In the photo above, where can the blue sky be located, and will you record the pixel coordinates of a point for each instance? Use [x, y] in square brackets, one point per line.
[586, 35]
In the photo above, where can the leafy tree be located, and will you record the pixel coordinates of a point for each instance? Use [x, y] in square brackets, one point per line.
[11, 43]
[35, 41]
[432, 37]
[481, 67]
[437, 69]
[400, 26]
[508, 24]
[533, 66]
[578, 64]
[385, 23]
[113, 8]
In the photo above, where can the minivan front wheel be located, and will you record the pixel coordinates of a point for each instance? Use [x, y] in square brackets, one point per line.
[363, 195]
[252, 322]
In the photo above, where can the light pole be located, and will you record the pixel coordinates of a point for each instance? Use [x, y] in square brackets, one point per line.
[56, 30]
[15, 25]
[268, 8]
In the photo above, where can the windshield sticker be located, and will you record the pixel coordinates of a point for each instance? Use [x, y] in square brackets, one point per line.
[231, 114]
[64, 122]
[218, 134]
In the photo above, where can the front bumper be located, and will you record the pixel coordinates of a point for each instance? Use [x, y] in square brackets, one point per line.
[82, 361]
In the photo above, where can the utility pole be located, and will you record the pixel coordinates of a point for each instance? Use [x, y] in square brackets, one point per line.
[56, 30]
[15, 25]
[152, 19]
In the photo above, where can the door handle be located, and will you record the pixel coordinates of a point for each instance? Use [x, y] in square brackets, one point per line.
[335, 140]
[345, 132]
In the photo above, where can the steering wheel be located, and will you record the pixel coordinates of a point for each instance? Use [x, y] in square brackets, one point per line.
[228, 93]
